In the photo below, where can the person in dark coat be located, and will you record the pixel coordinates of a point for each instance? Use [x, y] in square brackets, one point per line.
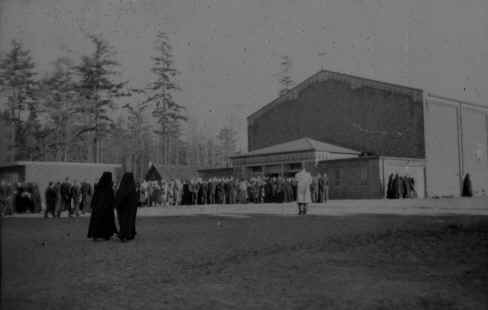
[29, 188]
[186, 196]
[467, 186]
[204, 192]
[227, 192]
[126, 205]
[220, 192]
[86, 192]
[390, 187]
[102, 218]
[23, 200]
[211, 192]
[50, 197]
[36, 198]
[397, 187]
[66, 195]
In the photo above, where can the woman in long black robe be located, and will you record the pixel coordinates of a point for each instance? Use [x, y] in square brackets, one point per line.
[102, 218]
[126, 205]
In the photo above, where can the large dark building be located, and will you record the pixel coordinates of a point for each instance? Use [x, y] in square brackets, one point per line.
[361, 114]
[352, 126]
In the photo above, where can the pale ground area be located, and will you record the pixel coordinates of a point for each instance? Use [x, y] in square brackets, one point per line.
[467, 206]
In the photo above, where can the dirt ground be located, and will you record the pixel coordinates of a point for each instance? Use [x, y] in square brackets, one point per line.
[251, 262]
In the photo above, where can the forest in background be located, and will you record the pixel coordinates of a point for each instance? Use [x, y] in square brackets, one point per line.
[81, 111]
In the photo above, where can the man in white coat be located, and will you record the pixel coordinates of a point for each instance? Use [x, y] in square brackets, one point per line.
[304, 180]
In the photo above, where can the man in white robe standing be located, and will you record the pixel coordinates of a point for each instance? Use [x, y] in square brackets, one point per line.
[304, 180]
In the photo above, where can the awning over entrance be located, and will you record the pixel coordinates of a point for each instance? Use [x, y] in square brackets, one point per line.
[294, 151]
[285, 157]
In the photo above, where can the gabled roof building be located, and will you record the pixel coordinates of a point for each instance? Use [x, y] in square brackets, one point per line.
[333, 122]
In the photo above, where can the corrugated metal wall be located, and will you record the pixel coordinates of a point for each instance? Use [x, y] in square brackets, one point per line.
[475, 139]
[456, 144]
[442, 152]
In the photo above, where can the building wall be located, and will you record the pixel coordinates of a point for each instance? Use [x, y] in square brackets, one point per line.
[44, 172]
[353, 178]
[475, 148]
[362, 118]
[441, 121]
[456, 144]
[216, 173]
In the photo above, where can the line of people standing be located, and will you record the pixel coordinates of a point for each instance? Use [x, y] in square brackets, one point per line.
[400, 187]
[198, 191]
[73, 197]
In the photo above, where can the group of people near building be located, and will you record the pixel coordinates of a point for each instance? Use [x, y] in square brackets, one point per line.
[74, 197]
[400, 187]
[23, 197]
[70, 196]
[229, 190]
[20, 197]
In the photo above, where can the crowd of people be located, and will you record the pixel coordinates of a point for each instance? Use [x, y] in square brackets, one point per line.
[19, 198]
[198, 191]
[400, 187]
[70, 196]
[74, 197]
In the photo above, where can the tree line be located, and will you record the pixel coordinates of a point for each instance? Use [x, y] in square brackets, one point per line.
[69, 113]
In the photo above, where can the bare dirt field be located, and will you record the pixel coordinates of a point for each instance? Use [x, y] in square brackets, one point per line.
[250, 262]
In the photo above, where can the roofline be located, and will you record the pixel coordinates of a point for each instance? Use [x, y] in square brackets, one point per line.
[215, 169]
[304, 82]
[25, 162]
[455, 100]
[379, 157]
[288, 152]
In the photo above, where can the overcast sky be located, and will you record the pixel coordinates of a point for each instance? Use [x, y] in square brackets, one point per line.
[228, 51]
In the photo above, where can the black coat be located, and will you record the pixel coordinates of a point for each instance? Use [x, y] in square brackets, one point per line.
[51, 198]
[126, 205]
[102, 219]
[467, 186]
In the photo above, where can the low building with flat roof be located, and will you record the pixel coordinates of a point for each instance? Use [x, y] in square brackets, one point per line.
[43, 172]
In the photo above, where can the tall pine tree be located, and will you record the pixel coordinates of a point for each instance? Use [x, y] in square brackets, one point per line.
[60, 100]
[18, 84]
[98, 91]
[167, 112]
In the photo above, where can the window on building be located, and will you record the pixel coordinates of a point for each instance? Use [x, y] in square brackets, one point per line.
[295, 166]
[338, 176]
[364, 175]
[257, 169]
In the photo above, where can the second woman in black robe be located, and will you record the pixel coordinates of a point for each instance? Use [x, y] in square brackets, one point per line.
[102, 219]
[126, 205]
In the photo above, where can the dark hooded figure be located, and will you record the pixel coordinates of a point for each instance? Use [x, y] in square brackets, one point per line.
[126, 205]
[467, 186]
[102, 219]
[390, 188]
